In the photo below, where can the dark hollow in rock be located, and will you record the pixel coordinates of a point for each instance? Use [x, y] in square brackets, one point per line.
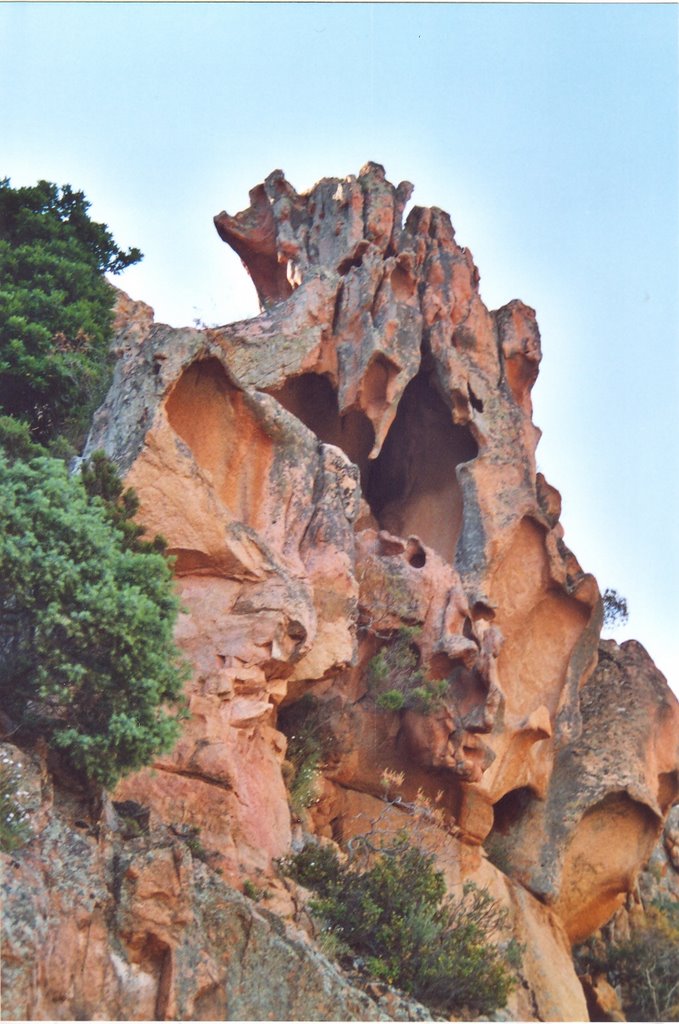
[510, 808]
[313, 400]
[412, 487]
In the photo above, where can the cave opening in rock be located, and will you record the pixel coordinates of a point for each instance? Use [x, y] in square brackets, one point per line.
[313, 400]
[226, 436]
[510, 808]
[668, 783]
[415, 553]
[412, 486]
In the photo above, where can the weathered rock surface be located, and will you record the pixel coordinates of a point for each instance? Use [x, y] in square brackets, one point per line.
[656, 890]
[582, 847]
[99, 927]
[360, 459]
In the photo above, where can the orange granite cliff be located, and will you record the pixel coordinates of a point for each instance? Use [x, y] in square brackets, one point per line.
[348, 476]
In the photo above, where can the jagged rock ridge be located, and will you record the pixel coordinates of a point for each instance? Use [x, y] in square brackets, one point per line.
[357, 459]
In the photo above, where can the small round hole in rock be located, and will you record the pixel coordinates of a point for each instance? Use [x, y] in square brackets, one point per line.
[415, 553]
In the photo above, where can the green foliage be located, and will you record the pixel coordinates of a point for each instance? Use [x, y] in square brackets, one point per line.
[17, 443]
[396, 917]
[130, 827]
[16, 440]
[302, 723]
[252, 891]
[14, 831]
[331, 945]
[428, 697]
[55, 308]
[315, 866]
[615, 609]
[101, 481]
[86, 648]
[396, 680]
[391, 700]
[645, 968]
[304, 783]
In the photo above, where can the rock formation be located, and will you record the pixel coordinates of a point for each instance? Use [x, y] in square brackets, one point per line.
[351, 476]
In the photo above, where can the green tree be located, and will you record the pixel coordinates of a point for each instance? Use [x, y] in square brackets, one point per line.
[86, 620]
[55, 308]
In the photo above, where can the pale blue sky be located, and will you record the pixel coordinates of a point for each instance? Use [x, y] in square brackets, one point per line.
[548, 131]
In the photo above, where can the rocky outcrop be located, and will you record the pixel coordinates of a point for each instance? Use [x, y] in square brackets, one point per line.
[348, 482]
[646, 915]
[580, 849]
[102, 924]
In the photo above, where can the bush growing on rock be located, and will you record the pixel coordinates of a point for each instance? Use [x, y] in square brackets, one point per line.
[645, 968]
[396, 680]
[87, 656]
[309, 743]
[396, 918]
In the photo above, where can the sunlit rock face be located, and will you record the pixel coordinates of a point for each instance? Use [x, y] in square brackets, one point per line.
[580, 849]
[355, 462]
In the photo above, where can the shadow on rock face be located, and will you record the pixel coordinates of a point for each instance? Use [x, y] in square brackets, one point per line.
[438, 741]
[412, 487]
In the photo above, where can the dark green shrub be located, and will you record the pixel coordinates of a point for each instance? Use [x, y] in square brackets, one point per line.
[55, 308]
[16, 440]
[315, 866]
[87, 656]
[396, 680]
[645, 968]
[396, 917]
[391, 700]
